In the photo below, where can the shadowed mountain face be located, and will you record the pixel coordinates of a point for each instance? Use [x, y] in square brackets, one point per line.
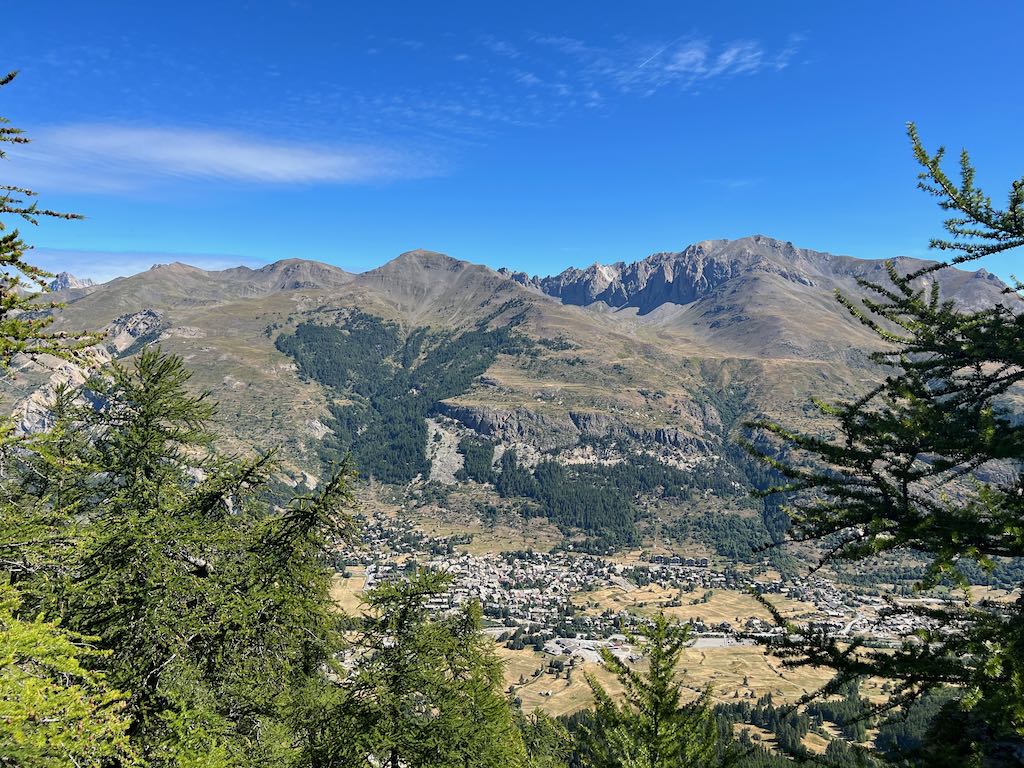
[662, 358]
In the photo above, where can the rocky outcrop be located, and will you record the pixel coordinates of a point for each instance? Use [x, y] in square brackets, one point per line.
[559, 431]
[31, 414]
[548, 432]
[443, 451]
[128, 329]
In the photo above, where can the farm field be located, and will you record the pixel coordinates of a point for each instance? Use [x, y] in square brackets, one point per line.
[723, 605]
[347, 593]
[733, 672]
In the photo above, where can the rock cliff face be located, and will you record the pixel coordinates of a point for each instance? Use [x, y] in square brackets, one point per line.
[31, 413]
[131, 328]
[65, 281]
[560, 431]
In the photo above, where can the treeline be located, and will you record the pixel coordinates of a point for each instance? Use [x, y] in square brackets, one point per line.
[385, 384]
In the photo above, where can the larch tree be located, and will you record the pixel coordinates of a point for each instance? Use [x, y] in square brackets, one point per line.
[927, 465]
[212, 605]
[54, 709]
[24, 328]
[424, 690]
[653, 726]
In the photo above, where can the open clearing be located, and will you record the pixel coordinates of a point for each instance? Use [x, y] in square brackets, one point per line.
[347, 593]
[735, 672]
[722, 605]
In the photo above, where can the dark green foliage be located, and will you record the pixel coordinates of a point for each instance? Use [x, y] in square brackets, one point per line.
[478, 458]
[547, 742]
[899, 475]
[902, 735]
[738, 538]
[788, 726]
[652, 727]
[851, 714]
[195, 592]
[599, 500]
[393, 382]
[424, 691]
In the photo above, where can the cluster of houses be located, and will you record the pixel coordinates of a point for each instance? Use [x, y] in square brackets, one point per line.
[530, 594]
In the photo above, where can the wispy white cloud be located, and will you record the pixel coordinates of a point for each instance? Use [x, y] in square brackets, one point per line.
[102, 266]
[116, 158]
[518, 82]
[684, 63]
[500, 47]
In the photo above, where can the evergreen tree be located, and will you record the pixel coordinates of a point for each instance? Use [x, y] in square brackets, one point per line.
[909, 468]
[197, 592]
[54, 710]
[425, 689]
[22, 328]
[547, 742]
[652, 727]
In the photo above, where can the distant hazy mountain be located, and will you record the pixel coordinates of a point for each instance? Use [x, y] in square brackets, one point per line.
[65, 281]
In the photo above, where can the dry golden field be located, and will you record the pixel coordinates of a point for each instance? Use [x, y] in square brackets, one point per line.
[733, 672]
[724, 605]
[347, 592]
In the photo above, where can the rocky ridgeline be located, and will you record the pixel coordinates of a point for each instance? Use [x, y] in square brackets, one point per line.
[65, 281]
[702, 268]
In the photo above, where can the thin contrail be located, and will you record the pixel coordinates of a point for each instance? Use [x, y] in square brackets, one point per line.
[658, 53]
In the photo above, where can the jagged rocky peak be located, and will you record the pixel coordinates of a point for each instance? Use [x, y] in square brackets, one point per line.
[523, 278]
[681, 277]
[65, 281]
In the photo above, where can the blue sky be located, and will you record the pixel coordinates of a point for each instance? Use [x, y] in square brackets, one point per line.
[532, 135]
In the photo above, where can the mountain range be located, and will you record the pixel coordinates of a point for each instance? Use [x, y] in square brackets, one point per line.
[662, 358]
